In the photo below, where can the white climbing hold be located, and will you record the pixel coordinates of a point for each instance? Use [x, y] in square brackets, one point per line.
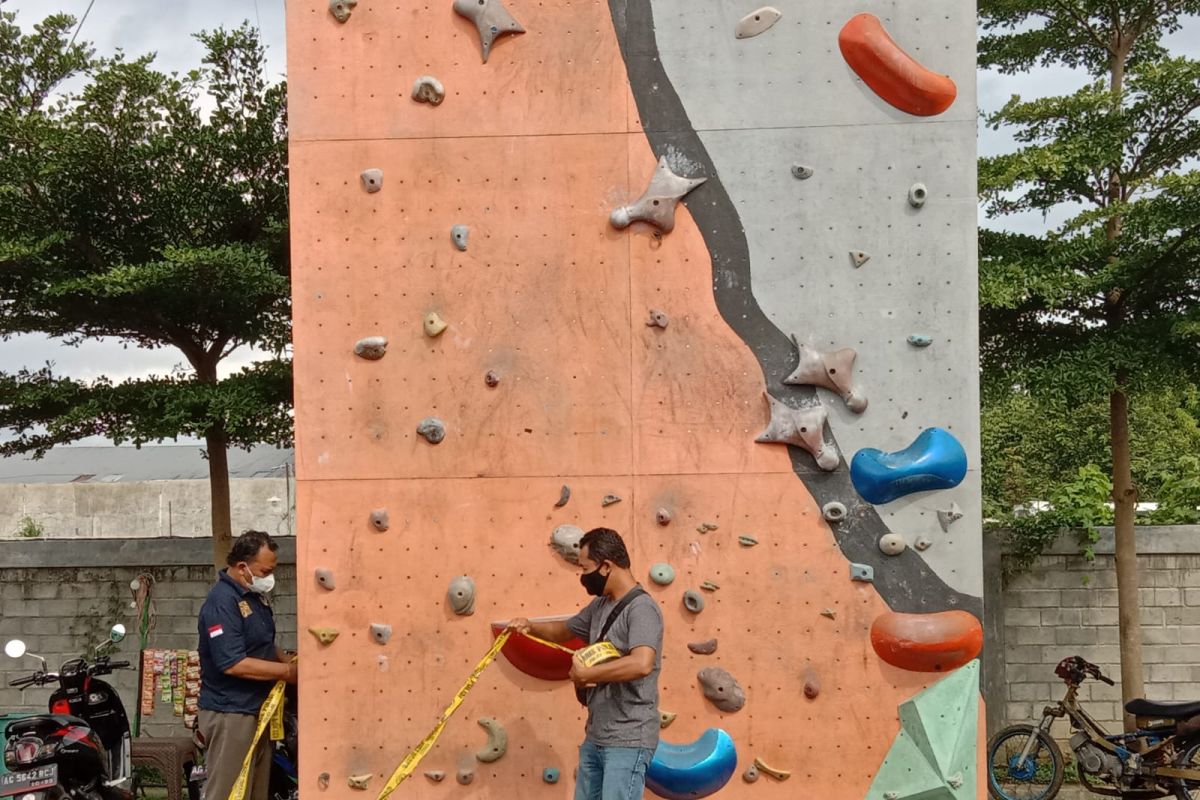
[756, 22]
[949, 516]
[859, 257]
[892, 544]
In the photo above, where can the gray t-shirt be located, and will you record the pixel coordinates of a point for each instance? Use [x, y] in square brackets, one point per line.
[624, 714]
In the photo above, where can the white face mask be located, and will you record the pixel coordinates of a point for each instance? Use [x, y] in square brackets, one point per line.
[261, 585]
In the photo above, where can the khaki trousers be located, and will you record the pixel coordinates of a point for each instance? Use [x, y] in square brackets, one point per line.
[227, 738]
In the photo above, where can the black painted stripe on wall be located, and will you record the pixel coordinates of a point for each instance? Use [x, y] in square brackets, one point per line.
[905, 582]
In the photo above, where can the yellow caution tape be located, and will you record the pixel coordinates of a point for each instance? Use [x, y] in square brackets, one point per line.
[410, 762]
[276, 733]
[598, 653]
[272, 707]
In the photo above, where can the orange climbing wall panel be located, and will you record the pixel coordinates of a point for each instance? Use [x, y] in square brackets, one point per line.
[532, 151]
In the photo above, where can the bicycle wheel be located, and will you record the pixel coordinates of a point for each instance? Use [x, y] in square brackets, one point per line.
[1188, 758]
[1038, 777]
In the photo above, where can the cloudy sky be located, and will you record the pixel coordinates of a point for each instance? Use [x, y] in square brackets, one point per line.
[165, 27]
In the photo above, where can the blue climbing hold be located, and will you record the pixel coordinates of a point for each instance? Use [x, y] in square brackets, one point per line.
[935, 460]
[698, 769]
[550, 775]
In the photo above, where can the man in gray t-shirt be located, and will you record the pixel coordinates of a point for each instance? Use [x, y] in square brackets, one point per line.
[622, 694]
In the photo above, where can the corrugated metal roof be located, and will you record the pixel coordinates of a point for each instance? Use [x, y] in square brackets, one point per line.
[149, 463]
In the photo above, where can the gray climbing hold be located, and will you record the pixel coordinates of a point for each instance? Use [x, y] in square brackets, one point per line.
[436, 775]
[801, 172]
[609, 499]
[923, 543]
[359, 782]
[459, 235]
[862, 572]
[550, 775]
[920, 339]
[916, 195]
[693, 601]
[756, 22]
[565, 539]
[461, 595]
[833, 511]
[491, 379]
[382, 661]
[428, 89]
[564, 494]
[464, 776]
[709, 586]
[705, 648]
[747, 541]
[497, 743]
[341, 9]
[892, 544]
[657, 205]
[434, 325]
[663, 516]
[829, 613]
[803, 428]
[491, 19]
[380, 632]
[665, 718]
[325, 578]
[705, 527]
[955, 781]
[371, 348]
[720, 688]
[379, 519]
[858, 257]
[658, 319]
[372, 180]
[433, 429]
[323, 781]
[662, 574]
[751, 774]
[832, 370]
[948, 516]
[891, 796]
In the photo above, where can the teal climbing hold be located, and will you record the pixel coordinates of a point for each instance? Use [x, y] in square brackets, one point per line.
[550, 775]
[933, 755]
[662, 574]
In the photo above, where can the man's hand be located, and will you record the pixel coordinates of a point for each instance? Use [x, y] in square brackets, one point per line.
[520, 625]
[581, 674]
[293, 672]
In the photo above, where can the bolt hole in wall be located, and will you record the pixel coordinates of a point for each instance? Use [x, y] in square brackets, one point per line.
[583, 396]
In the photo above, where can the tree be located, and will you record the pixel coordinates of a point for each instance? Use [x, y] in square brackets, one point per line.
[1104, 305]
[149, 208]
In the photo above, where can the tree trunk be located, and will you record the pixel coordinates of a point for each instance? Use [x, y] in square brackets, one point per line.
[218, 484]
[1125, 505]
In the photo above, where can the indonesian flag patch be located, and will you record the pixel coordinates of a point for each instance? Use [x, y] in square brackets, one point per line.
[214, 631]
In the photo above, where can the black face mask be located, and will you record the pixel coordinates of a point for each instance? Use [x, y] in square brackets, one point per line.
[594, 582]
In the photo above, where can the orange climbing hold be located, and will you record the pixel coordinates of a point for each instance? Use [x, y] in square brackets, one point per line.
[891, 73]
[937, 642]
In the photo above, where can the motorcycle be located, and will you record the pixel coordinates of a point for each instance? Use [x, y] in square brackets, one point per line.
[81, 749]
[1161, 758]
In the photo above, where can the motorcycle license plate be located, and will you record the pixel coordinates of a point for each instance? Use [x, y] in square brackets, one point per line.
[30, 780]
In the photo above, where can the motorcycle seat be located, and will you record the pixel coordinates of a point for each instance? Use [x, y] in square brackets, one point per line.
[41, 725]
[1153, 708]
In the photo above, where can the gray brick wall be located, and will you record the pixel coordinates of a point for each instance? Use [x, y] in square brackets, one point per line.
[1066, 605]
[59, 611]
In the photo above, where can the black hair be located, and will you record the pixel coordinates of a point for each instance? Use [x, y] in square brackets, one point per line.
[605, 544]
[246, 546]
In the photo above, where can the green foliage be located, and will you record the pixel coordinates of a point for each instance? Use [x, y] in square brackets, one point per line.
[1179, 497]
[1080, 504]
[1106, 304]
[149, 208]
[30, 529]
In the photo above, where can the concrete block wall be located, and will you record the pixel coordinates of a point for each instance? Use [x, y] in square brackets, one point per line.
[149, 509]
[1066, 605]
[69, 598]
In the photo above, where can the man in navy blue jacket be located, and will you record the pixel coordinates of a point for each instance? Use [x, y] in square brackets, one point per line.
[239, 662]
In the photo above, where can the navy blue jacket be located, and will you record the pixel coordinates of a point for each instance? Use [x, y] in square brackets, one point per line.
[235, 623]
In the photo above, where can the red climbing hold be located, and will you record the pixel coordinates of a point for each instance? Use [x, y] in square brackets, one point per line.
[937, 642]
[891, 73]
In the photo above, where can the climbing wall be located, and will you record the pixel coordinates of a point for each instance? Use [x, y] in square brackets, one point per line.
[496, 296]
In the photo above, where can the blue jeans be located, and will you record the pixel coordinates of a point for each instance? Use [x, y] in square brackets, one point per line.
[611, 773]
